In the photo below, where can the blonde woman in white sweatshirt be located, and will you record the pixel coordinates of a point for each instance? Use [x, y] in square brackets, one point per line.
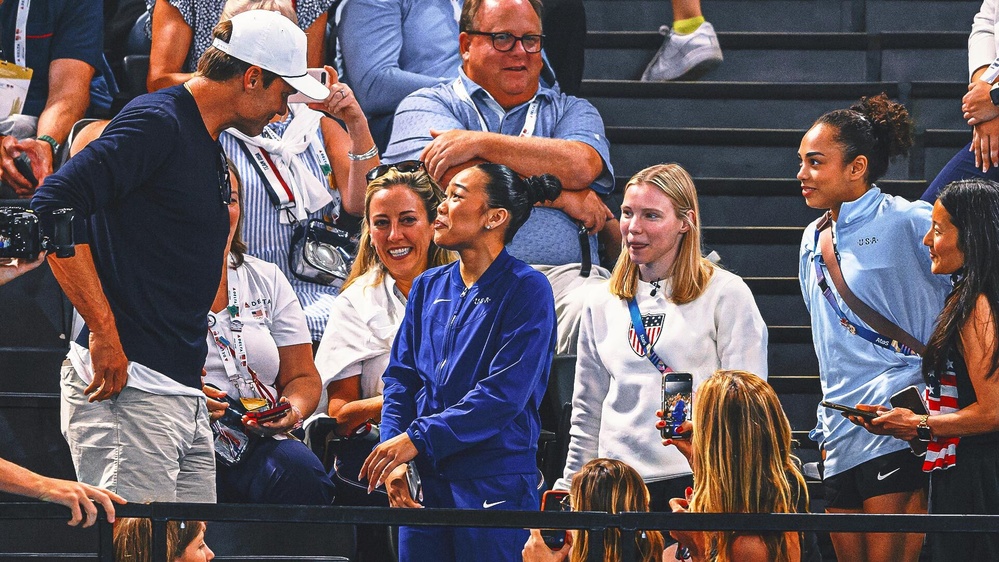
[697, 317]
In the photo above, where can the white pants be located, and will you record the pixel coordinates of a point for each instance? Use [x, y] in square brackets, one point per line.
[569, 287]
[144, 447]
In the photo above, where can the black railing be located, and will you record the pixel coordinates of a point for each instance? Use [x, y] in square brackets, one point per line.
[594, 522]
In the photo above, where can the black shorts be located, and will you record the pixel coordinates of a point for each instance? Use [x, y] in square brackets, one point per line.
[900, 471]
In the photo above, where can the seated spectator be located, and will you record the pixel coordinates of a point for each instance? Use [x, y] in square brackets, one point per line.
[610, 486]
[185, 541]
[182, 29]
[697, 318]
[740, 451]
[396, 246]
[62, 44]
[260, 353]
[960, 367]
[390, 49]
[499, 111]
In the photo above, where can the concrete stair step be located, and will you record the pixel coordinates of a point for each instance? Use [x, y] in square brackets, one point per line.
[791, 15]
[796, 57]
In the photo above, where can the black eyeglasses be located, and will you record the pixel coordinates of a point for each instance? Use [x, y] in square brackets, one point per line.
[406, 166]
[504, 42]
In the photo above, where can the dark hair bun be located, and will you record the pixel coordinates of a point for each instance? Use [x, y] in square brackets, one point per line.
[890, 123]
[545, 187]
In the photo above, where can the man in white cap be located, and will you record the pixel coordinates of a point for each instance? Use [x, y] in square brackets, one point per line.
[151, 197]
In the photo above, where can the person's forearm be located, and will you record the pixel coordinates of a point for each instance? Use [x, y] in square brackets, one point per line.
[351, 414]
[78, 278]
[974, 419]
[68, 98]
[360, 143]
[18, 480]
[576, 164]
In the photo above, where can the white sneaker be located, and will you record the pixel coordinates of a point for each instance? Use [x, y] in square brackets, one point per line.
[684, 56]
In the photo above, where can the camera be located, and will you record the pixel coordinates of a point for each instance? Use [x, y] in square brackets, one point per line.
[21, 237]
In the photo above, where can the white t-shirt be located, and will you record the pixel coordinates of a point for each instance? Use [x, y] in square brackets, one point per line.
[358, 338]
[271, 318]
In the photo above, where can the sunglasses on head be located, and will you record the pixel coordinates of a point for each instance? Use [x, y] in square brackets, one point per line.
[406, 166]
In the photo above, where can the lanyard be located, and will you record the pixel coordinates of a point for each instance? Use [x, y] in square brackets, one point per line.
[456, 6]
[852, 327]
[529, 122]
[232, 350]
[643, 337]
[21, 32]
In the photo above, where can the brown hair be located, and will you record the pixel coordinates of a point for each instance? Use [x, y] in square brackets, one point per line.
[612, 486]
[220, 67]
[133, 538]
[238, 247]
[876, 127]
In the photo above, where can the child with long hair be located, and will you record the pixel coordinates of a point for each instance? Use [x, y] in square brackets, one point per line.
[133, 541]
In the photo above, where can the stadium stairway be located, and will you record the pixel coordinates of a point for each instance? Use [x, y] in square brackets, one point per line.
[737, 129]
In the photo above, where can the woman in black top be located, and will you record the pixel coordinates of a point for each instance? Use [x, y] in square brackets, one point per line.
[960, 366]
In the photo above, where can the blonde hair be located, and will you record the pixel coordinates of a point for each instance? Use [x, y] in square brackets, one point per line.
[428, 191]
[690, 272]
[133, 538]
[742, 458]
[284, 7]
[612, 486]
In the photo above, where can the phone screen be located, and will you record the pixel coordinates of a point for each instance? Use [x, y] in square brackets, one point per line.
[678, 391]
[554, 500]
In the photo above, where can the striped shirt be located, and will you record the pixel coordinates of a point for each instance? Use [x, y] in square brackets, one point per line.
[267, 239]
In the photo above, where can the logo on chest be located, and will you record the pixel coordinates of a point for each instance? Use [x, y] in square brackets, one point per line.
[653, 324]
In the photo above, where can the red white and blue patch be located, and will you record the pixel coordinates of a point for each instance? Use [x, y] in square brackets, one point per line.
[653, 327]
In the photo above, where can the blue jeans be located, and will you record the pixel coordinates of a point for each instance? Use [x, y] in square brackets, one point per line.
[960, 167]
[276, 472]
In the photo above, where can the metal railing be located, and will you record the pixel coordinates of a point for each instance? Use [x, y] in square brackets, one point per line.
[595, 522]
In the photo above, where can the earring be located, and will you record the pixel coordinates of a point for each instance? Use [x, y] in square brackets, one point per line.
[488, 227]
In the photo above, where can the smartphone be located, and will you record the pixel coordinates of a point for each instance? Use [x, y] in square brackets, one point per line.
[678, 391]
[554, 500]
[23, 164]
[262, 415]
[414, 483]
[850, 410]
[317, 73]
[910, 397]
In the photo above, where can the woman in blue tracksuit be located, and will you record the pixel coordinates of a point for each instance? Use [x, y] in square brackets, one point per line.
[468, 370]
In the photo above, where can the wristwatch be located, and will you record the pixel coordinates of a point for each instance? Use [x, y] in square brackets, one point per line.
[994, 93]
[923, 431]
[52, 142]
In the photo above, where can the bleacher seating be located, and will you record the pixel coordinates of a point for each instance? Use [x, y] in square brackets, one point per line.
[737, 131]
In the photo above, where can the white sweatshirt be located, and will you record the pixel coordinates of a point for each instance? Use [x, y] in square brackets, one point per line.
[618, 390]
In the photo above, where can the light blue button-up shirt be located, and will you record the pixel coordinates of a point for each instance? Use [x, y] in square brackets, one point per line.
[879, 240]
[550, 236]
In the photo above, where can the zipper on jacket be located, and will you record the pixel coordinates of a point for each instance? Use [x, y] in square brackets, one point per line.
[450, 334]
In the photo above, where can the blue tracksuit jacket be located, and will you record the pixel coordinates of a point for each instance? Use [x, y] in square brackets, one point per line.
[469, 368]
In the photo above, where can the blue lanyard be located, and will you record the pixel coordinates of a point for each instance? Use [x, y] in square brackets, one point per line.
[643, 337]
[854, 328]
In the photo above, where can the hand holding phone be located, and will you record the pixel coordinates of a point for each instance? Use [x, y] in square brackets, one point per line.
[262, 415]
[554, 500]
[678, 392]
[912, 399]
[319, 74]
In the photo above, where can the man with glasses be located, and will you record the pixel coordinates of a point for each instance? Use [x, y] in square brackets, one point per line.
[152, 197]
[497, 110]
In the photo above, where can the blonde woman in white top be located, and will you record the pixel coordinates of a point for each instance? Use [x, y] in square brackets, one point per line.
[698, 318]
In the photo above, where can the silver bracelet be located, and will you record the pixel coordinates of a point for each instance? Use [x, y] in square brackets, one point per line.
[366, 156]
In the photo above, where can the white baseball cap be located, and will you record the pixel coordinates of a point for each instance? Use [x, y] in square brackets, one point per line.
[272, 42]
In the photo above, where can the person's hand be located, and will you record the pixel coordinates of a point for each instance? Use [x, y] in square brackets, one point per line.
[897, 422]
[40, 153]
[688, 539]
[341, 102]
[977, 104]
[109, 363]
[214, 396]
[397, 488]
[80, 498]
[585, 206]
[537, 551]
[385, 458]
[12, 268]
[449, 149]
[985, 144]
[685, 446]
[289, 421]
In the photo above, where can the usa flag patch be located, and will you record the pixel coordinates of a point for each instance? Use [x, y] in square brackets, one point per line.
[653, 327]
